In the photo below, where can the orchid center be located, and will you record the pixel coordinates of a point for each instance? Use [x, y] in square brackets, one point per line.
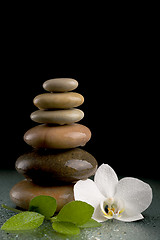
[112, 208]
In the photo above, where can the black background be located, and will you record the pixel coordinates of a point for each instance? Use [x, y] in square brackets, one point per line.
[117, 73]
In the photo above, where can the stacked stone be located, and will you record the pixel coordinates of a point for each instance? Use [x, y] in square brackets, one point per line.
[55, 162]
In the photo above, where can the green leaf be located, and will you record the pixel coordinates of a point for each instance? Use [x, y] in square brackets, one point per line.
[44, 205]
[76, 212]
[10, 208]
[90, 224]
[54, 219]
[66, 228]
[23, 221]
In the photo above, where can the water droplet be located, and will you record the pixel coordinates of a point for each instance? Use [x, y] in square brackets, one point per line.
[116, 230]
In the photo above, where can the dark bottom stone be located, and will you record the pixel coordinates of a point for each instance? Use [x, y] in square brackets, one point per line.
[56, 167]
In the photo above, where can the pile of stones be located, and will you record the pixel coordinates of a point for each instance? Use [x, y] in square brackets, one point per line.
[55, 162]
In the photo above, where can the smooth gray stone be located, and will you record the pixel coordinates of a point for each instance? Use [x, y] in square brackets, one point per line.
[60, 85]
[60, 117]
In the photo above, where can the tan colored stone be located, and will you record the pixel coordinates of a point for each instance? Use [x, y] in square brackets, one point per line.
[60, 117]
[22, 193]
[60, 85]
[57, 137]
[58, 100]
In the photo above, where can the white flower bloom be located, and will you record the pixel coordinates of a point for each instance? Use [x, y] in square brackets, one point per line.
[123, 200]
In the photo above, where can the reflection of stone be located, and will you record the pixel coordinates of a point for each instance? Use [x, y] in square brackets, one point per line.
[24, 191]
[55, 160]
[50, 166]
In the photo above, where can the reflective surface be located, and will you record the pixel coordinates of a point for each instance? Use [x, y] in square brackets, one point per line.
[48, 167]
[57, 137]
[23, 191]
[146, 229]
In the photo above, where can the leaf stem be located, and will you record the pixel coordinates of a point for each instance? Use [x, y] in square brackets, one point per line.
[10, 208]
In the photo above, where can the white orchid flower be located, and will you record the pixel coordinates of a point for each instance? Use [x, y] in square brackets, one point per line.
[123, 200]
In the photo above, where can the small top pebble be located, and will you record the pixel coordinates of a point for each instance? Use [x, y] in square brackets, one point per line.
[60, 85]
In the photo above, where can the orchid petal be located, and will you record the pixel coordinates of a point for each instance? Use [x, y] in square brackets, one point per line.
[98, 215]
[106, 180]
[127, 218]
[87, 191]
[136, 194]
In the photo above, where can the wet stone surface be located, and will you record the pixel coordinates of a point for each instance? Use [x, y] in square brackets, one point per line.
[23, 191]
[53, 166]
[57, 137]
[146, 229]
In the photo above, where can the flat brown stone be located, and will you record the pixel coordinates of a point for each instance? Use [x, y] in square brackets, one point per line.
[58, 100]
[24, 191]
[50, 166]
[57, 137]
